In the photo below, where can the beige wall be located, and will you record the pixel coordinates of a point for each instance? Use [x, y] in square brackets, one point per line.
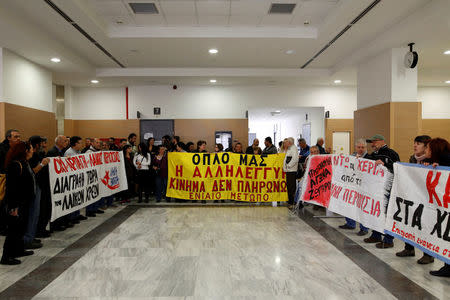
[204, 129]
[28, 121]
[398, 122]
[436, 128]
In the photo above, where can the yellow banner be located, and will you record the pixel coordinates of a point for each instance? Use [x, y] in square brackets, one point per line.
[221, 176]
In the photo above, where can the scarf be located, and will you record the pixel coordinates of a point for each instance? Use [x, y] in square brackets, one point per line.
[420, 159]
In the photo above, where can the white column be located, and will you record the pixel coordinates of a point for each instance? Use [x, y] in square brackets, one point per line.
[384, 78]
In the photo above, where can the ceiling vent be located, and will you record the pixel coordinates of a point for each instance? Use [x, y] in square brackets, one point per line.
[282, 8]
[144, 8]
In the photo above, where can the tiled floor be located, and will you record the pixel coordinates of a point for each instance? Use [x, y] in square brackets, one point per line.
[257, 252]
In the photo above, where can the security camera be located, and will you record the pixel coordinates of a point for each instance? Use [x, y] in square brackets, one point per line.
[174, 86]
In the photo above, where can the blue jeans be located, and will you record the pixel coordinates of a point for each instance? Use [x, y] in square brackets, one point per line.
[352, 223]
[161, 185]
[33, 217]
[388, 239]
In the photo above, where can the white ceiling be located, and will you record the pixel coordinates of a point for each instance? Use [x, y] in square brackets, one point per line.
[246, 36]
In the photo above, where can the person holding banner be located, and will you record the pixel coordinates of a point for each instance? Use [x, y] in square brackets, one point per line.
[93, 209]
[361, 152]
[383, 155]
[419, 157]
[438, 151]
[290, 166]
[130, 171]
[20, 192]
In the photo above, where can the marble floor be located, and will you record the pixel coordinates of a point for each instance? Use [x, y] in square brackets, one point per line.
[258, 252]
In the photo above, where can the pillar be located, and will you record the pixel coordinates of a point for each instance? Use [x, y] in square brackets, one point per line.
[387, 101]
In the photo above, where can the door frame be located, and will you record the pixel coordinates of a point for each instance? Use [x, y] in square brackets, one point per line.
[349, 140]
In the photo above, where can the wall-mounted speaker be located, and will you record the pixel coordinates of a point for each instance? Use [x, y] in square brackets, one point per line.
[138, 115]
[327, 114]
[156, 111]
[246, 114]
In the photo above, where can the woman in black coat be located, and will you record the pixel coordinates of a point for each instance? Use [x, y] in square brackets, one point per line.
[438, 152]
[20, 192]
[130, 171]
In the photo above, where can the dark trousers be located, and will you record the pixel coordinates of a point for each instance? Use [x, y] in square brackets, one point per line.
[143, 177]
[33, 218]
[411, 247]
[45, 211]
[161, 186]
[291, 186]
[388, 239]
[14, 244]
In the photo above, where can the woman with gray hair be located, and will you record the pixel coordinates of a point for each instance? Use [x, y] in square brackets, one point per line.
[290, 168]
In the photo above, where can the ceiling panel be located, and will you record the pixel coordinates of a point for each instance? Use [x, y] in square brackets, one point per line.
[213, 20]
[173, 20]
[213, 8]
[178, 8]
[113, 8]
[245, 20]
[153, 20]
[250, 7]
[276, 20]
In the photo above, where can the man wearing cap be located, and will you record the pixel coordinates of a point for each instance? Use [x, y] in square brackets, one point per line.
[385, 156]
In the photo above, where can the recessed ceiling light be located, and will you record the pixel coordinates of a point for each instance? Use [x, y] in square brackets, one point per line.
[289, 52]
[55, 59]
[212, 80]
[94, 81]
[213, 51]
[447, 52]
[118, 22]
[337, 81]
[448, 81]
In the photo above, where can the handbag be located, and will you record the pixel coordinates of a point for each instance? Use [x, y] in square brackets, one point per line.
[2, 187]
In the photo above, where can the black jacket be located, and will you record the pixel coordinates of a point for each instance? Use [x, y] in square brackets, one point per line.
[321, 149]
[4, 148]
[54, 152]
[444, 160]
[20, 185]
[387, 156]
[270, 150]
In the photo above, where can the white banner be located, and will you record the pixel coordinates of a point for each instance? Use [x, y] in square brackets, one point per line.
[78, 181]
[418, 211]
[353, 187]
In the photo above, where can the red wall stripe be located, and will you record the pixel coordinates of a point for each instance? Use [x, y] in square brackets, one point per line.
[126, 96]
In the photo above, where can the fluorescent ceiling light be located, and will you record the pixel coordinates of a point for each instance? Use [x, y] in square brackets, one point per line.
[447, 52]
[213, 51]
[55, 59]
[94, 81]
[212, 80]
[337, 81]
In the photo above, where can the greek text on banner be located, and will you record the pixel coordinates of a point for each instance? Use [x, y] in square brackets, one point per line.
[78, 181]
[418, 211]
[353, 187]
[220, 176]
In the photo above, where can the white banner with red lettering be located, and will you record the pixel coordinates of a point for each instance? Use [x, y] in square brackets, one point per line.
[418, 211]
[356, 188]
[77, 181]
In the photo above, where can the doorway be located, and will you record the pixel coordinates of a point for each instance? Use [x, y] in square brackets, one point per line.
[341, 142]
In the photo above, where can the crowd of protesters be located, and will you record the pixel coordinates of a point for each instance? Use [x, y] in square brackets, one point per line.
[26, 206]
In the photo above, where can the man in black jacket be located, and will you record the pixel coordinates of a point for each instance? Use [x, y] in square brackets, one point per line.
[383, 155]
[270, 148]
[12, 136]
[249, 149]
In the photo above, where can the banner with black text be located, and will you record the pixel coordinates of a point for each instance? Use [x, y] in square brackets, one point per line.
[80, 180]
